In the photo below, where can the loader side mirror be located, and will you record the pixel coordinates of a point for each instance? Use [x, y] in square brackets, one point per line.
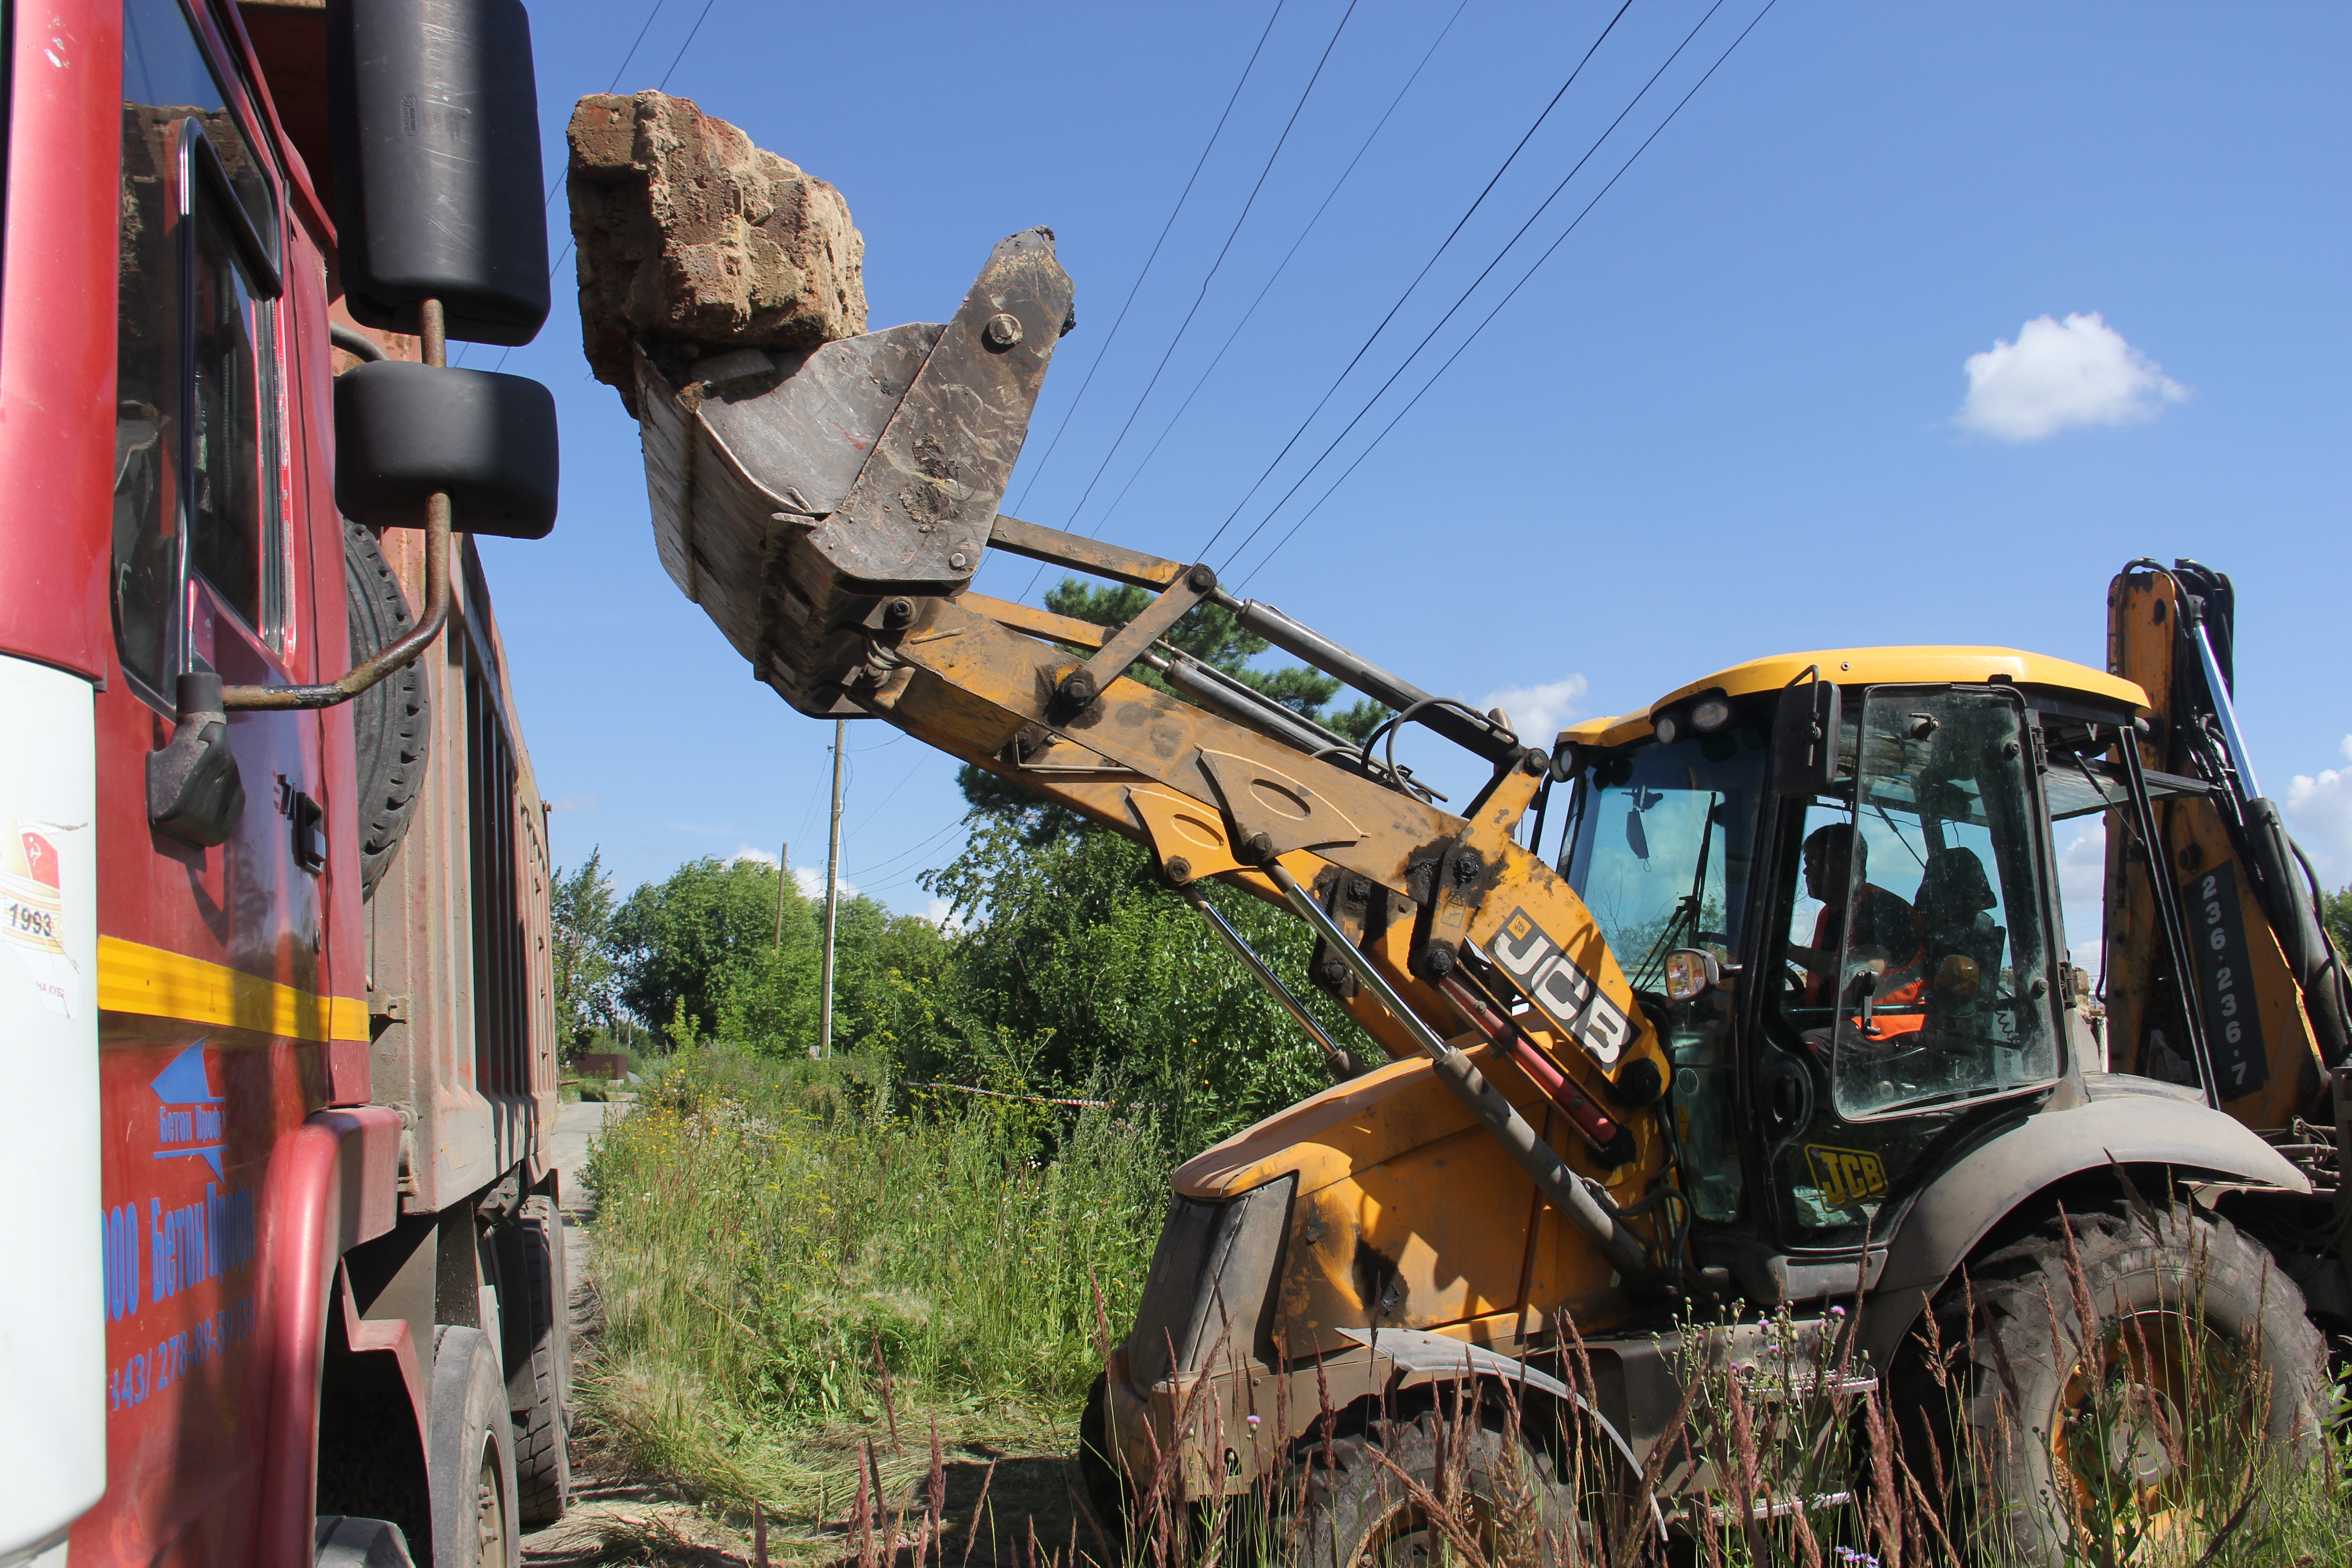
[433, 112]
[1805, 740]
[487, 441]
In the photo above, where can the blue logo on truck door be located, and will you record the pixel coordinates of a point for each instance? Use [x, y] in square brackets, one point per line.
[188, 1122]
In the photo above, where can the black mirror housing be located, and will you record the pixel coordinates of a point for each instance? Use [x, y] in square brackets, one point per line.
[1805, 740]
[194, 791]
[433, 110]
[487, 441]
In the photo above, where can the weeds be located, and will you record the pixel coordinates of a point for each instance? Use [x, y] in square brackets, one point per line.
[816, 1292]
[773, 1236]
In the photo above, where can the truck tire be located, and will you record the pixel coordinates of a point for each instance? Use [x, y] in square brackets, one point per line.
[391, 721]
[1359, 1512]
[469, 1455]
[2198, 1350]
[539, 1362]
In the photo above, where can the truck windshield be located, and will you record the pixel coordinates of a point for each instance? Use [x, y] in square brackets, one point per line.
[1661, 846]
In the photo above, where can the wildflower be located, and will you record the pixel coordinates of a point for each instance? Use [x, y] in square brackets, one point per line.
[1855, 1557]
[1839, 1312]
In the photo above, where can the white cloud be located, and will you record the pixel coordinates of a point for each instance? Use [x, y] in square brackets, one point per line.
[943, 915]
[745, 852]
[2083, 890]
[1538, 712]
[2061, 374]
[812, 883]
[572, 803]
[2320, 811]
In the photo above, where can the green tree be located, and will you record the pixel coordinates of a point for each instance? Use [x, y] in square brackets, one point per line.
[677, 939]
[1080, 968]
[2337, 910]
[581, 915]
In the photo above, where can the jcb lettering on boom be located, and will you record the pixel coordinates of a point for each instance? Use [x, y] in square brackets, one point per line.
[1562, 991]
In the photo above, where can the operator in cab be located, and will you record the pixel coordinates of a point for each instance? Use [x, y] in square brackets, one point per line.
[1875, 928]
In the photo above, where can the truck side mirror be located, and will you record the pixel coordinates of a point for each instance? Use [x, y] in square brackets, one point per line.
[194, 792]
[434, 114]
[487, 441]
[1805, 740]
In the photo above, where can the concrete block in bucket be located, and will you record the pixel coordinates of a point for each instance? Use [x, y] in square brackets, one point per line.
[691, 240]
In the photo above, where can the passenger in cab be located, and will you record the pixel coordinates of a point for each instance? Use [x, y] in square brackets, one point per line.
[1875, 928]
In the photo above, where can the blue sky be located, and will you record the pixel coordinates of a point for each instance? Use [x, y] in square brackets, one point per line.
[1731, 415]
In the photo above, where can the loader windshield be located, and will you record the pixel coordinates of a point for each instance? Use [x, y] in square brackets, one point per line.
[1662, 845]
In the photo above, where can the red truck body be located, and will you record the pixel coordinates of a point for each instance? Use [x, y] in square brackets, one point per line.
[307, 1108]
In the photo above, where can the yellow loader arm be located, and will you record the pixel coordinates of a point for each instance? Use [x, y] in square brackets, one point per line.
[829, 508]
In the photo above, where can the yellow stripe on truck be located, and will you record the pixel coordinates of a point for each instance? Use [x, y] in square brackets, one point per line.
[154, 982]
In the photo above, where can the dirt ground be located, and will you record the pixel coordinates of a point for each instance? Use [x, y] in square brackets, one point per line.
[1006, 1507]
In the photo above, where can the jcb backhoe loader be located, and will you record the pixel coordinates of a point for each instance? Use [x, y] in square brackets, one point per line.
[1790, 1024]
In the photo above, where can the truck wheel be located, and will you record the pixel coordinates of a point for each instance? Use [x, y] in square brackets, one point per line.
[470, 1456]
[1367, 1494]
[2123, 1396]
[391, 723]
[539, 1356]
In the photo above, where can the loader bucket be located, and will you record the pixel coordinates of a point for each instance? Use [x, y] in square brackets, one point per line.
[797, 493]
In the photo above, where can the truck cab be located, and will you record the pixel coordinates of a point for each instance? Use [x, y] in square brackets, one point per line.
[276, 880]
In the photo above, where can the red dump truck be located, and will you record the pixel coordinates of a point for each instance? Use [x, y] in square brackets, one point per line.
[275, 997]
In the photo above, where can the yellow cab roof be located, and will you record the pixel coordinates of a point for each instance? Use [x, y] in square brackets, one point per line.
[1872, 667]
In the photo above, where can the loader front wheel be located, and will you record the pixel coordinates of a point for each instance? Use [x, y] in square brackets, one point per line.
[1409, 1491]
[2129, 1383]
[1098, 1463]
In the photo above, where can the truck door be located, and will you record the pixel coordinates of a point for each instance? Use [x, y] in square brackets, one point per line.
[205, 567]
[1910, 993]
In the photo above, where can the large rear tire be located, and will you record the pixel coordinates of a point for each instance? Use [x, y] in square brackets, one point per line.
[2115, 1403]
[470, 1456]
[538, 1364]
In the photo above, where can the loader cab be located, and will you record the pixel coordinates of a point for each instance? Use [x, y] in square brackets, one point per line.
[1830, 878]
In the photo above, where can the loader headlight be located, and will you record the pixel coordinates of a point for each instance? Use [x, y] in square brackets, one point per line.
[1709, 714]
[1691, 973]
[1670, 728]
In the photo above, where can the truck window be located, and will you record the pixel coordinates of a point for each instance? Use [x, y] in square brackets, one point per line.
[195, 320]
[1921, 910]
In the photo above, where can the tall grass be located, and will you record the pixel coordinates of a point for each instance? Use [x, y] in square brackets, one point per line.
[808, 1277]
[791, 1254]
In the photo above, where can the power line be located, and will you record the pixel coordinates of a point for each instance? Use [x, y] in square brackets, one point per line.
[1222, 251]
[1467, 214]
[707, 5]
[1506, 299]
[1280, 267]
[1112, 336]
[1464, 298]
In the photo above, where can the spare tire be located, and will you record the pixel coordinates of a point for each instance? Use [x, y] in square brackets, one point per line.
[391, 721]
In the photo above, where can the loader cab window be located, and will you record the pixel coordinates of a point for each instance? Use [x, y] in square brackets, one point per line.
[200, 474]
[1661, 852]
[1916, 954]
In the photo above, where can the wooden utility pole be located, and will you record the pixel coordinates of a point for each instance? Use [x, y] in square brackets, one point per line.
[783, 880]
[832, 898]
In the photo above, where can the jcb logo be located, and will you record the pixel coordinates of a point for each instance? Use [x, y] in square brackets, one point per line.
[1560, 990]
[1846, 1176]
